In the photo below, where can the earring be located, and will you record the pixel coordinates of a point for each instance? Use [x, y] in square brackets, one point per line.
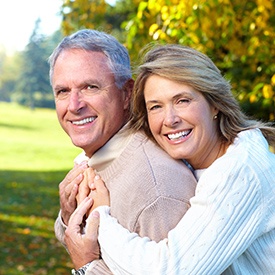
[215, 117]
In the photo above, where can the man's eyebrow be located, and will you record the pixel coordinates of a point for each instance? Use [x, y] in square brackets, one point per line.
[58, 87]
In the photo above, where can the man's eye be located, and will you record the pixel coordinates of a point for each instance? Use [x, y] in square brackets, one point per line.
[90, 90]
[92, 87]
[61, 93]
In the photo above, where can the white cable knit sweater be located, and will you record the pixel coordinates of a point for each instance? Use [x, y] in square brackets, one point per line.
[229, 228]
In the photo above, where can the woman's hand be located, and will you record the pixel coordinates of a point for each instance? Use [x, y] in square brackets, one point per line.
[93, 186]
[99, 192]
[84, 187]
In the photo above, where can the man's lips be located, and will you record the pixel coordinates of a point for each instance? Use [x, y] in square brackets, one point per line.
[83, 121]
[178, 135]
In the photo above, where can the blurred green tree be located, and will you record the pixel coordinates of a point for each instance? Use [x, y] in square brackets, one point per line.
[9, 70]
[33, 80]
[30, 85]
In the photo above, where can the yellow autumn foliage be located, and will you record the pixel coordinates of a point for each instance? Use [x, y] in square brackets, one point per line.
[267, 91]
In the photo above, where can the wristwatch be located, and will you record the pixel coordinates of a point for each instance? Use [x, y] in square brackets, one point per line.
[81, 270]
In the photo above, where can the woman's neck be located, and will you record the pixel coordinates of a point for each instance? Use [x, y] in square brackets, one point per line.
[214, 153]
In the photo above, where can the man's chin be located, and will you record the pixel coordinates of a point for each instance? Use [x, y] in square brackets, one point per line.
[79, 144]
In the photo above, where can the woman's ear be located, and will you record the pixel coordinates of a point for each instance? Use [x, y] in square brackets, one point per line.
[215, 112]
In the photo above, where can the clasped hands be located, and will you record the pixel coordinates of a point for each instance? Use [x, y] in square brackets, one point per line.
[81, 191]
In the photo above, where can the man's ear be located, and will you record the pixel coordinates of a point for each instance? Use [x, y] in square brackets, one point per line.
[127, 91]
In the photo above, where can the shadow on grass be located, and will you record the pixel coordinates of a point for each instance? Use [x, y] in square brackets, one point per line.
[29, 203]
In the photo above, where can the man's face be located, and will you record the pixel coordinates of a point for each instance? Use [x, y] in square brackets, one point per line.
[89, 106]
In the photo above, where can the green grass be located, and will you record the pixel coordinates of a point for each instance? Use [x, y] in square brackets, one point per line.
[35, 155]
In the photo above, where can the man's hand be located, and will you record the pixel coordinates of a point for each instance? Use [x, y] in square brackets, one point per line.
[68, 190]
[83, 247]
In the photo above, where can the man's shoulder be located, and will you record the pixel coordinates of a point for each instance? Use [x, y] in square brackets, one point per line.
[154, 152]
[151, 158]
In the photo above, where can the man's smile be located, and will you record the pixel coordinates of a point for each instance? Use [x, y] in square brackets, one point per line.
[83, 121]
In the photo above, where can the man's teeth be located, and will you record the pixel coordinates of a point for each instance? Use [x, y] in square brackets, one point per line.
[178, 135]
[83, 121]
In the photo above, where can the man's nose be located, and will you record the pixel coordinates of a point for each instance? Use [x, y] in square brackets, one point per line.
[76, 102]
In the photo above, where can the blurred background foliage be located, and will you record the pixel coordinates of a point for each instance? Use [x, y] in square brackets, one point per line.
[239, 36]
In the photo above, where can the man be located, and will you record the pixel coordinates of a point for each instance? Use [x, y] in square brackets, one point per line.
[91, 78]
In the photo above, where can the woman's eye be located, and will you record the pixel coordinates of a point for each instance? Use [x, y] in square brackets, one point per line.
[184, 100]
[154, 107]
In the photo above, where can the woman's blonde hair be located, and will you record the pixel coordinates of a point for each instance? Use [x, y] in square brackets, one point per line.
[188, 66]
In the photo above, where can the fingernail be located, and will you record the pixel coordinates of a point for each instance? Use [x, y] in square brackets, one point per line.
[92, 186]
[84, 163]
[95, 214]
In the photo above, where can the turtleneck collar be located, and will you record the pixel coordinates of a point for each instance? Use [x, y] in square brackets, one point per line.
[107, 153]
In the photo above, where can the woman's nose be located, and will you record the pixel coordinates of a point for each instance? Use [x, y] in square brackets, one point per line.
[171, 118]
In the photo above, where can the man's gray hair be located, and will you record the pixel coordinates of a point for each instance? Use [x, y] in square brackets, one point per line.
[97, 41]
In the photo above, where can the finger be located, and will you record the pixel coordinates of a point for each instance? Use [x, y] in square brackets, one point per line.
[91, 173]
[100, 185]
[75, 176]
[83, 163]
[92, 225]
[73, 173]
[84, 189]
[77, 217]
[71, 187]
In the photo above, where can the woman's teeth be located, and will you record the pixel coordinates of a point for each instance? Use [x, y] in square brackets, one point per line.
[178, 135]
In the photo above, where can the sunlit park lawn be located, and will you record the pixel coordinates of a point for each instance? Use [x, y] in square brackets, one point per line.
[35, 155]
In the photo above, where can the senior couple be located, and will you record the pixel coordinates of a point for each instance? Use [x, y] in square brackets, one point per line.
[190, 179]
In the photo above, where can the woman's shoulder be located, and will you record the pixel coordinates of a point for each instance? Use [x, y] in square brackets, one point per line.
[248, 159]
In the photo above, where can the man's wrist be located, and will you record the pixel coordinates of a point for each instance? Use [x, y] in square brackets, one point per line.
[81, 270]
[61, 219]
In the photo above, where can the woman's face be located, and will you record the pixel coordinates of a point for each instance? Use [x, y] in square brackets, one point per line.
[182, 121]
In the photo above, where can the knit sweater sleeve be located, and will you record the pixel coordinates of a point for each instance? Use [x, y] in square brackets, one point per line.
[160, 216]
[59, 229]
[224, 218]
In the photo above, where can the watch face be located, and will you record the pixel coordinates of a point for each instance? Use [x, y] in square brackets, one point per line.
[81, 270]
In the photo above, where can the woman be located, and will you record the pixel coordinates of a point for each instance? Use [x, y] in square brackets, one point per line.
[183, 102]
